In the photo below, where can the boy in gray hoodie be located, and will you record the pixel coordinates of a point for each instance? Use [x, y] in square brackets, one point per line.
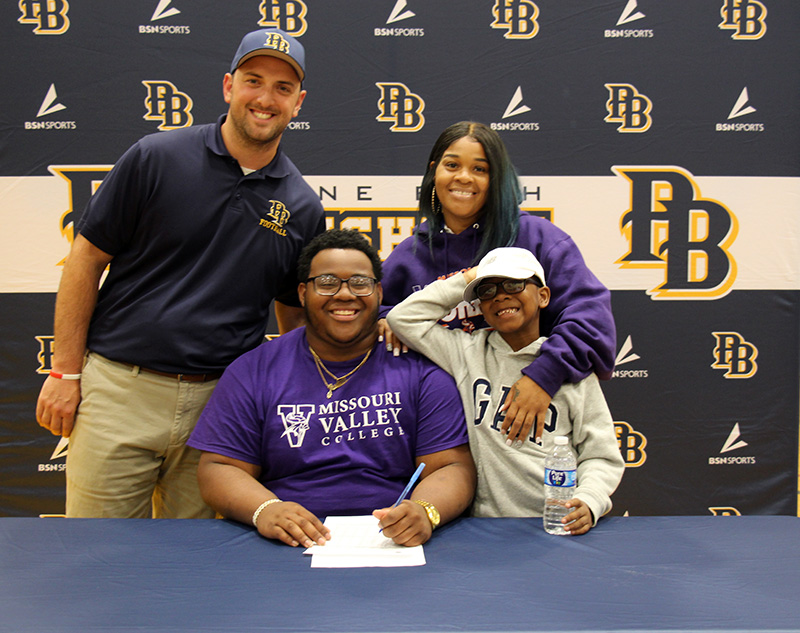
[509, 282]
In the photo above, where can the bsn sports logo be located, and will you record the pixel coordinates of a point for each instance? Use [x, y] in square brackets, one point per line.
[741, 108]
[627, 355]
[514, 108]
[631, 444]
[59, 452]
[629, 14]
[746, 18]
[670, 226]
[49, 16]
[287, 15]
[517, 18]
[733, 443]
[164, 10]
[400, 107]
[167, 105]
[50, 105]
[628, 107]
[735, 355]
[399, 13]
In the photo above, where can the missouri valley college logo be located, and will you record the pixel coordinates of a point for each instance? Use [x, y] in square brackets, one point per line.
[48, 16]
[400, 107]
[735, 355]
[670, 226]
[629, 108]
[277, 217]
[631, 444]
[517, 18]
[287, 15]
[746, 18]
[295, 422]
[167, 105]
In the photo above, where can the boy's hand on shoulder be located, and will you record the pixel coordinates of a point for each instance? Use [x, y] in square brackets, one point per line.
[525, 406]
[580, 520]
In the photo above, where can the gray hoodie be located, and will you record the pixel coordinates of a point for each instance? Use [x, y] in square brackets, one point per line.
[510, 480]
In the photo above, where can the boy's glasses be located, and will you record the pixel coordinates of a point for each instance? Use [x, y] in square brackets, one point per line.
[329, 285]
[488, 289]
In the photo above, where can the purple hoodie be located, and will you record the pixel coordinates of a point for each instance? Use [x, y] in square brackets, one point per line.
[578, 321]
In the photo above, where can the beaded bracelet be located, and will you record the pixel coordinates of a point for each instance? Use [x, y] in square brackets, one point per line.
[260, 508]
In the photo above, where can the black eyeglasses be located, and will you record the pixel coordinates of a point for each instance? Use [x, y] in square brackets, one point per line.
[329, 285]
[488, 289]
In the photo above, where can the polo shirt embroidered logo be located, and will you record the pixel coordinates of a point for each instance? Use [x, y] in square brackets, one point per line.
[277, 217]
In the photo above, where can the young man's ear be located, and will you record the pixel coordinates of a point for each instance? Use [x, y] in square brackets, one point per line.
[544, 297]
[301, 293]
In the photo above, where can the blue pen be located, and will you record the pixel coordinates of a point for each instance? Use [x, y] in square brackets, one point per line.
[409, 486]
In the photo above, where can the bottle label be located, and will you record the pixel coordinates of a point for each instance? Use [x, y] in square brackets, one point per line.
[559, 478]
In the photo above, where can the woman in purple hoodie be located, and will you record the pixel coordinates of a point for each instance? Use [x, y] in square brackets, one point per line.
[470, 198]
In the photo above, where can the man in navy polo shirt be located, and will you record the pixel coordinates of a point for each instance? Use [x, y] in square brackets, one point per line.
[200, 229]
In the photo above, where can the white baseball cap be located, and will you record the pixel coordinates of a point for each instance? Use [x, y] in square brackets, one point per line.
[509, 262]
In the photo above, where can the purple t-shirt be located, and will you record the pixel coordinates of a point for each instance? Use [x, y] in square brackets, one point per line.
[347, 454]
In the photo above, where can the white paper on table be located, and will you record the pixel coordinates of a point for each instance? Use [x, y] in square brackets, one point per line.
[357, 542]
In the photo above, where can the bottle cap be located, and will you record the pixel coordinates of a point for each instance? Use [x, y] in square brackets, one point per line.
[560, 439]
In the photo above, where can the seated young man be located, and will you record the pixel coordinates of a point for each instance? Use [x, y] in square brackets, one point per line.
[510, 285]
[316, 423]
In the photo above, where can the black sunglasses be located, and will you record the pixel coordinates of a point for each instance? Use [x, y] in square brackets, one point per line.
[488, 289]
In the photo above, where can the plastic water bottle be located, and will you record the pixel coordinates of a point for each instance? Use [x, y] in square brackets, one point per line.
[560, 479]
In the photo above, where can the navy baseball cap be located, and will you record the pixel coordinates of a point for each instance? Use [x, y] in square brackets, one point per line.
[275, 43]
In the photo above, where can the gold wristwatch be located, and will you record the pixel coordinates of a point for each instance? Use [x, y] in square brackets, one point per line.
[431, 511]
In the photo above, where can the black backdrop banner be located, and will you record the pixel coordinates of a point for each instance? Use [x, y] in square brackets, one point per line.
[663, 136]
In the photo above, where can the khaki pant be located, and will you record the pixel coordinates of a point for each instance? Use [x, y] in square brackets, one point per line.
[127, 453]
